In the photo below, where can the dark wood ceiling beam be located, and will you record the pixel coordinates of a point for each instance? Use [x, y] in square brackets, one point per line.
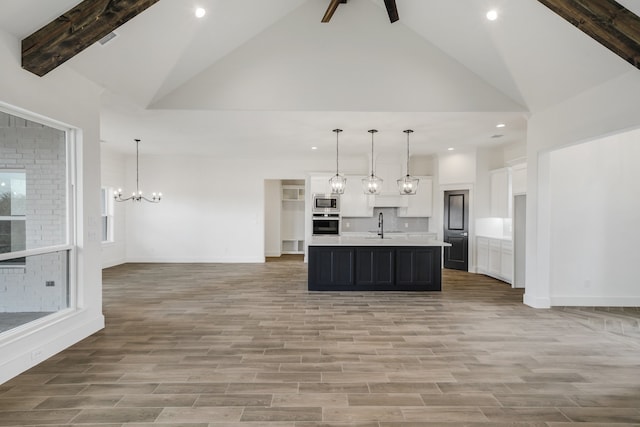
[75, 30]
[331, 10]
[392, 10]
[606, 21]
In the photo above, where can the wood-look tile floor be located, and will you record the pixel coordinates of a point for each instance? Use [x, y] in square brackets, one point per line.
[246, 345]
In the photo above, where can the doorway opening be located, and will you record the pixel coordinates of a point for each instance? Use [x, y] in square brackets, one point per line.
[284, 220]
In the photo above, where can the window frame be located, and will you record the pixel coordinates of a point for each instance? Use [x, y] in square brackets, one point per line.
[72, 156]
[19, 262]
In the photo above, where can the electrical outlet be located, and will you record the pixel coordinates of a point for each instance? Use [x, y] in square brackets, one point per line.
[36, 354]
[49, 283]
[347, 225]
[406, 225]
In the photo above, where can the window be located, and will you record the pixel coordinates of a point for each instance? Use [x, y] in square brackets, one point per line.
[13, 194]
[106, 208]
[37, 221]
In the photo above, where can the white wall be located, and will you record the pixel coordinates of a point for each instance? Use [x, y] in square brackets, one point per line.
[457, 167]
[212, 209]
[605, 110]
[594, 222]
[423, 165]
[275, 71]
[114, 176]
[515, 153]
[66, 97]
[272, 209]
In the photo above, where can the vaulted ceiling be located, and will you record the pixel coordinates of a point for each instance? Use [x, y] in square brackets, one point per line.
[252, 71]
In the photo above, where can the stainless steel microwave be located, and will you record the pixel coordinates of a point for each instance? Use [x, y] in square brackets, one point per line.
[326, 203]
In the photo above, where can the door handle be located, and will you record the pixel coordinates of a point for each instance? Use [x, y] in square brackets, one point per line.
[465, 234]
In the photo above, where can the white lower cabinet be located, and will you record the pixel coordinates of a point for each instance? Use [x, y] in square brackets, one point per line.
[482, 255]
[506, 262]
[494, 257]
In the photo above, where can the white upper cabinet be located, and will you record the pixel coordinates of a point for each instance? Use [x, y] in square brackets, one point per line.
[319, 184]
[354, 203]
[501, 193]
[421, 203]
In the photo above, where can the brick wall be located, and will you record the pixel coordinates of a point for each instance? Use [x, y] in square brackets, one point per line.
[41, 152]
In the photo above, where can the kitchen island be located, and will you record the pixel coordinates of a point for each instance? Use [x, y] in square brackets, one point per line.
[371, 263]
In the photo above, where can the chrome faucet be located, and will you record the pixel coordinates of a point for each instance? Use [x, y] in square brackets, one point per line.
[381, 225]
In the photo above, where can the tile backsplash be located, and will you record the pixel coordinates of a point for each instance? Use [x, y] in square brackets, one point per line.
[391, 222]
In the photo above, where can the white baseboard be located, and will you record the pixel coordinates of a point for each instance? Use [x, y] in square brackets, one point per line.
[113, 263]
[272, 254]
[536, 302]
[29, 349]
[599, 301]
[196, 260]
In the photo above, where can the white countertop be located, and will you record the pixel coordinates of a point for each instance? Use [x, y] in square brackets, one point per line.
[505, 238]
[394, 239]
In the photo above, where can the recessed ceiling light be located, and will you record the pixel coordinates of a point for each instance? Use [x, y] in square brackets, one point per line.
[450, 149]
[492, 15]
[314, 148]
[500, 125]
[200, 12]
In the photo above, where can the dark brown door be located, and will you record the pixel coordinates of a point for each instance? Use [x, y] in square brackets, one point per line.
[456, 229]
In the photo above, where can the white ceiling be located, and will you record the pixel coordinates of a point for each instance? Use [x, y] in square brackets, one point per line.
[267, 78]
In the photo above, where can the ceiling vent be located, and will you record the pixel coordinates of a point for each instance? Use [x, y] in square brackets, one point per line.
[106, 39]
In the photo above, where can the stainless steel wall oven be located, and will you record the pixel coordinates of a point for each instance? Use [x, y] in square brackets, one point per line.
[323, 224]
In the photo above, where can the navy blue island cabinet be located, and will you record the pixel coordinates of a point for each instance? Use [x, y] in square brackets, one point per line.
[375, 268]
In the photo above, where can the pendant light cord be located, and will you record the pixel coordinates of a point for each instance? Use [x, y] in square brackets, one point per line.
[372, 131]
[337, 131]
[372, 174]
[137, 167]
[408, 131]
[407, 154]
[337, 154]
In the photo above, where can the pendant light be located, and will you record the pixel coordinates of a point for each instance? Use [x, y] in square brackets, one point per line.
[372, 184]
[137, 195]
[408, 185]
[337, 182]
